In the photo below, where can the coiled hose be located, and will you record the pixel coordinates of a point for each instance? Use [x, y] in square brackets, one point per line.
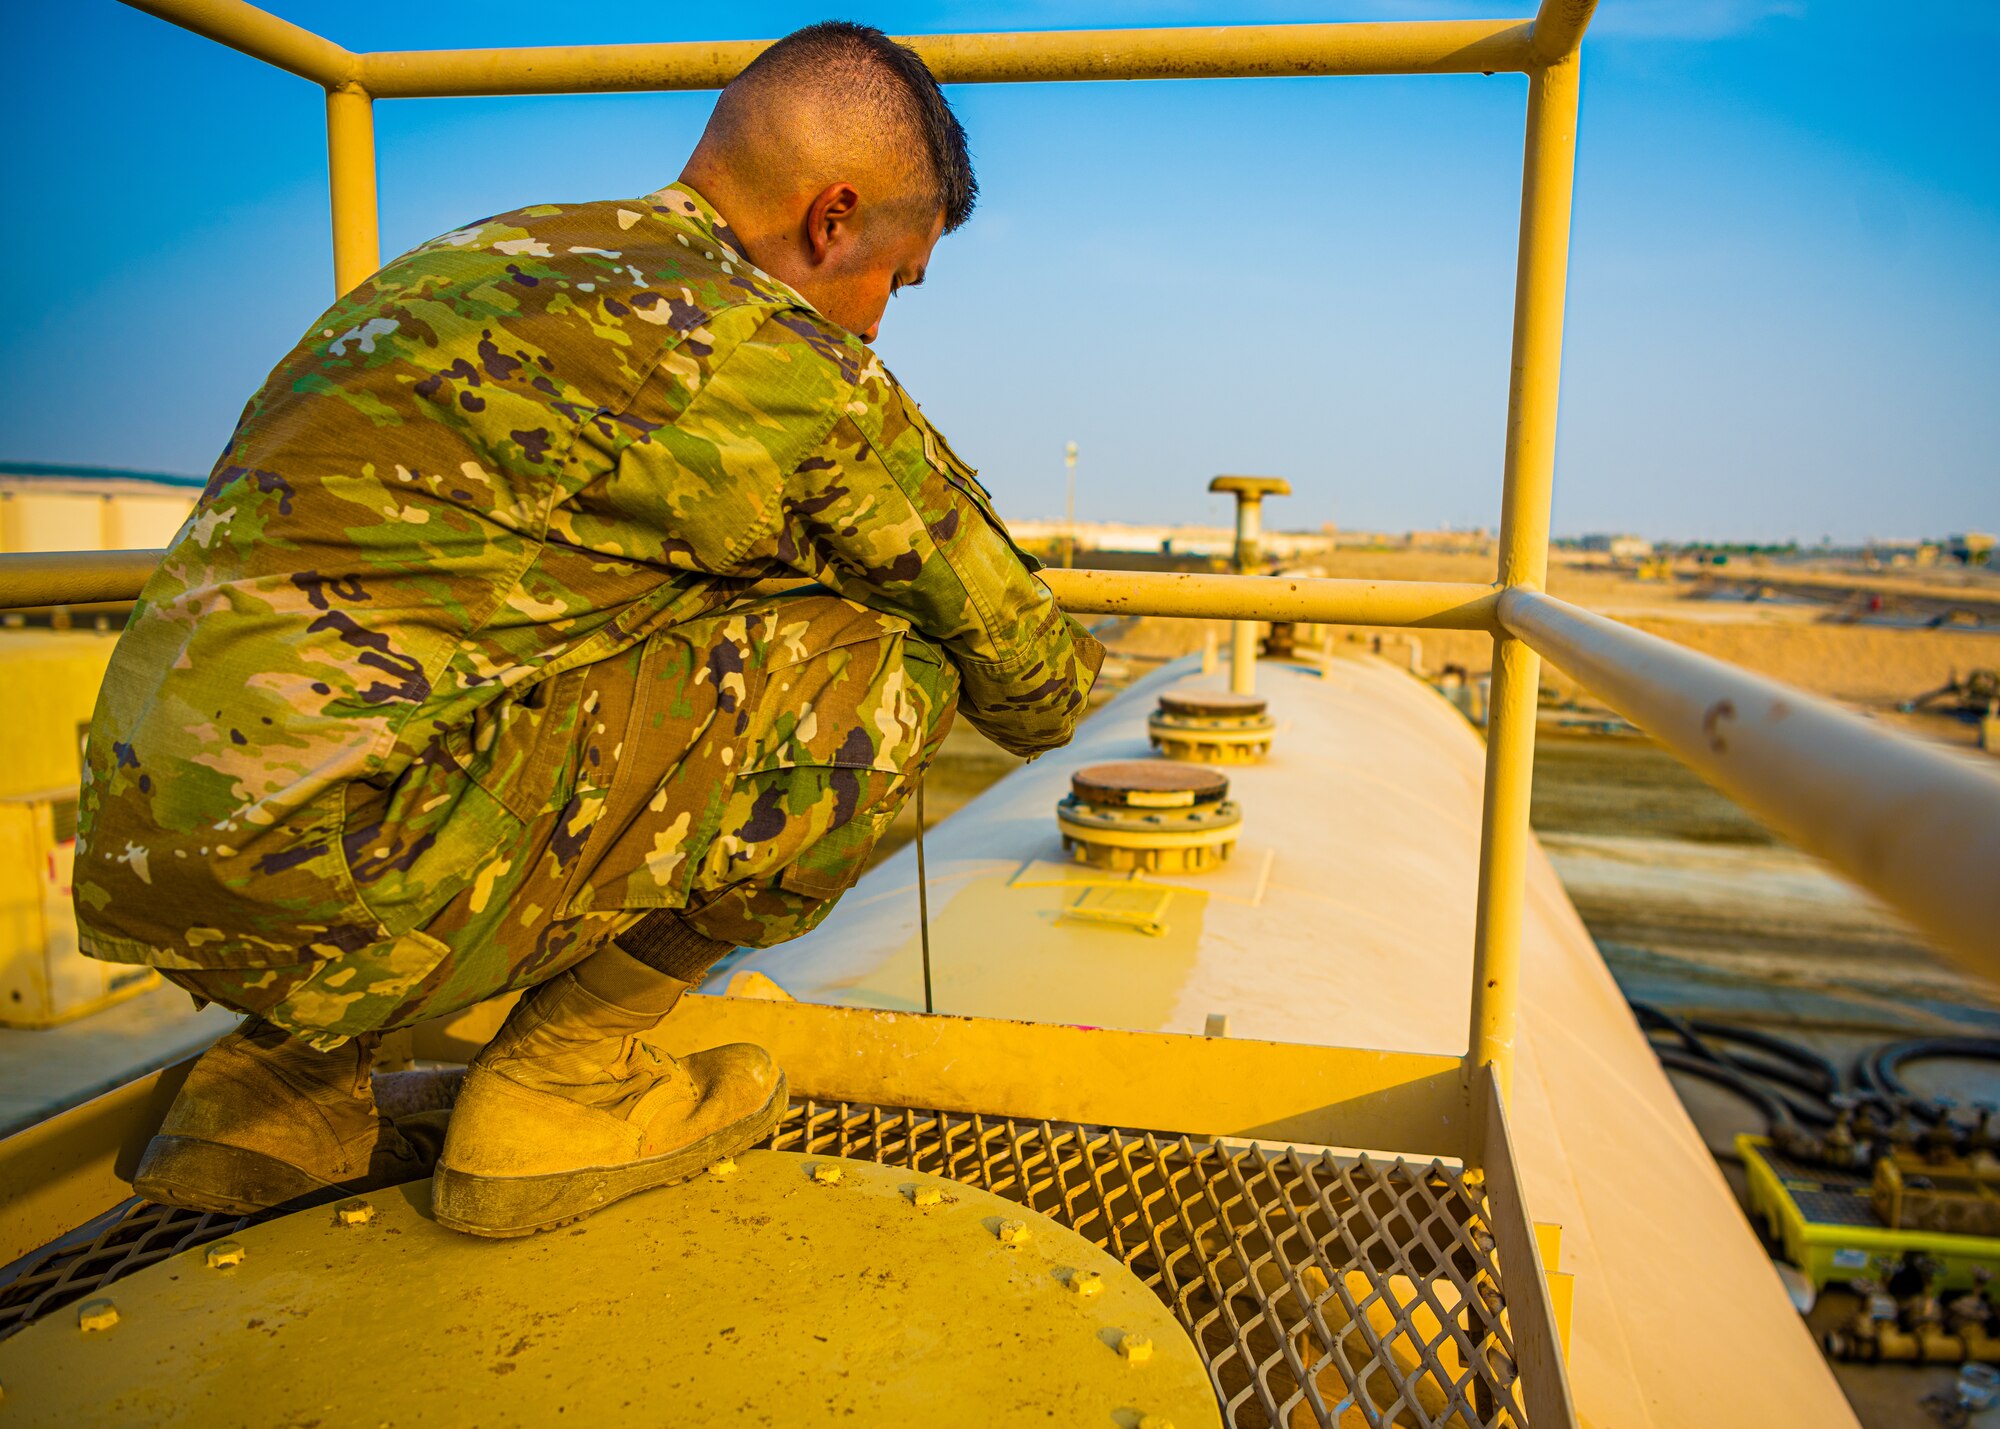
[1799, 1093]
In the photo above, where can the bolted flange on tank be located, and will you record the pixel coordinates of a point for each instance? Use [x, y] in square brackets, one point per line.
[1149, 815]
[1211, 727]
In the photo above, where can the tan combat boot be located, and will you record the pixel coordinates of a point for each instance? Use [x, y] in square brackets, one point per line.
[566, 1110]
[264, 1120]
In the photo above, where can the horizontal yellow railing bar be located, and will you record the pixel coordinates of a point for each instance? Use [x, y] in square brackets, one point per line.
[1205, 52]
[1436, 605]
[87, 577]
[73, 577]
[1219, 52]
[1204, 1086]
[261, 35]
[1916, 826]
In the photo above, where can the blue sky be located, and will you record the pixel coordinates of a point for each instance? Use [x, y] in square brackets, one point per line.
[1784, 312]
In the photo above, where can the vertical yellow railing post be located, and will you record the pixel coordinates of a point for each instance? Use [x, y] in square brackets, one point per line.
[1548, 170]
[350, 168]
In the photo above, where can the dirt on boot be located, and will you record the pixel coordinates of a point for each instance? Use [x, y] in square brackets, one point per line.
[567, 1110]
[264, 1121]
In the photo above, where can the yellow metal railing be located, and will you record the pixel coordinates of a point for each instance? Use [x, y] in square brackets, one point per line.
[1903, 820]
[1544, 49]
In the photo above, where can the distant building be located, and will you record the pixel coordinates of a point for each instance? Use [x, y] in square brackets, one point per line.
[1900, 553]
[1623, 547]
[87, 508]
[1218, 541]
[1477, 541]
[1970, 548]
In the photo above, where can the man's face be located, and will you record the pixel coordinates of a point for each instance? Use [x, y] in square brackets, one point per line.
[858, 267]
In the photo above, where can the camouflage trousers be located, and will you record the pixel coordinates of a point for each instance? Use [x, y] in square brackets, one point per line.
[738, 768]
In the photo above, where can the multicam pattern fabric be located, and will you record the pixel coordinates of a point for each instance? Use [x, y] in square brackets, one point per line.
[536, 463]
[749, 801]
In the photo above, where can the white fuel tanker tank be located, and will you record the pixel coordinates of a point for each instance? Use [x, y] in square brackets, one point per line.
[1343, 915]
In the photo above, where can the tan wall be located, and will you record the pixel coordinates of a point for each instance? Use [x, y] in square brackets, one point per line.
[52, 679]
[89, 521]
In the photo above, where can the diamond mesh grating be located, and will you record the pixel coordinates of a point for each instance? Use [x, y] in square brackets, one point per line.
[1319, 1290]
[136, 1234]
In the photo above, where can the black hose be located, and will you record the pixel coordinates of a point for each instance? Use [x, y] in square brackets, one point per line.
[1777, 1119]
[1810, 1105]
[1881, 1070]
[1795, 1088]
[1815, 1074]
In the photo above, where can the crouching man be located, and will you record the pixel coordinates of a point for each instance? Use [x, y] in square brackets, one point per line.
[455, 684]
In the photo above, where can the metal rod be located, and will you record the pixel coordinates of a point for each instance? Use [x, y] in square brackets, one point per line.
[1559, 27]
[1547, 174]
[1206, 52]
[923, 901]
[1437, 605]
[79, 577]
[350, 168]
[260, 35]
[1503, 860]
[37, 578]
[1243, 633]
[1916, 826]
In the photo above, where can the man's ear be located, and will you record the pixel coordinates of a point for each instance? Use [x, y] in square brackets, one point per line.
[830, 217]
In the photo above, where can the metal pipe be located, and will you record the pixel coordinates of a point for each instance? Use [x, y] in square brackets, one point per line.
[1243, 634]
[1436, 605]
[1210, 52]
[1915, 826]
[81, 577]
[1503, 861]
[260, 35]
[1547, 174]
[350, 169]
[1559, 27]
[1249, 492]
[73, 577]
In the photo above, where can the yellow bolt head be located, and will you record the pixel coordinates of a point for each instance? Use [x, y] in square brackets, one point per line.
[725, 1167]
[928, 1196]
[1155, 1421]
[1136, 1348]
[356, 1212]
[1014, 1233]
[828, 1173]
[1086, 1284]
[96, 1315]
[225, 1255]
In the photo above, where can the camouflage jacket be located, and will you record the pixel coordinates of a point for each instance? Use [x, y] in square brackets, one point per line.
[522, 447]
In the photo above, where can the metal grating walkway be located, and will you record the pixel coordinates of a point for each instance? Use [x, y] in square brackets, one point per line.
[1319, 1290]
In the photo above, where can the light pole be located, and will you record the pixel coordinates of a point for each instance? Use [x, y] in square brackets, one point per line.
[1069, 511]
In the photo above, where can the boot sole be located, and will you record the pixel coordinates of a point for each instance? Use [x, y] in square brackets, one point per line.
[225, 1180]
[502, 1207]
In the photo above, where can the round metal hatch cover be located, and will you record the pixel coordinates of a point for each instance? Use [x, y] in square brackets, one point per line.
[1212, 704]
[1148, 783]
[791, 1290]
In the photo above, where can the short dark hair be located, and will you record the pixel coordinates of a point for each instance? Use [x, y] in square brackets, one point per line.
[898, 73]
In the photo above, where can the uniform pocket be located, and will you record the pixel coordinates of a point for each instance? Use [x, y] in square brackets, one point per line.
[359, 991]
[516, 748]
[761, 735]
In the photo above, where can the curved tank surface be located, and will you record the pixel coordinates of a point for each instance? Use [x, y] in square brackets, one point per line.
[1345, 917]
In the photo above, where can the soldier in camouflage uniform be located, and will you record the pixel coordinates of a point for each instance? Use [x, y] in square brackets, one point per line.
[459, 681]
